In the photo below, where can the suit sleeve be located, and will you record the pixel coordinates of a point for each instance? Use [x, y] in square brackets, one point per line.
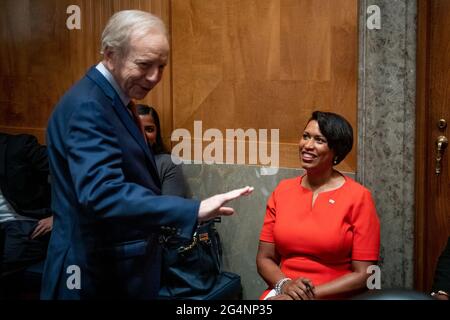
[30, 190]
[95, 164]
[442, 274]
[37, 156]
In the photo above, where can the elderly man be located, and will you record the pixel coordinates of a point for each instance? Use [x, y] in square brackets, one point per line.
[108, 208]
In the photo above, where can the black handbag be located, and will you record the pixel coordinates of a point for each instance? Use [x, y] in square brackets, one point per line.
[191, 267]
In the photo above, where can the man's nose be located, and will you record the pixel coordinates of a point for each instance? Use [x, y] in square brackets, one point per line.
[154, 74]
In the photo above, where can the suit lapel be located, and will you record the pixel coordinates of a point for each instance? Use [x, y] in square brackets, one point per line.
[131, 126]
[126, 118]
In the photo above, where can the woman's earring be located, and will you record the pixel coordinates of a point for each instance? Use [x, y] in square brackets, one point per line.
[335, 161]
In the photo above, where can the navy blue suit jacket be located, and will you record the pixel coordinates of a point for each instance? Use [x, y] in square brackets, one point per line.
[106, 199]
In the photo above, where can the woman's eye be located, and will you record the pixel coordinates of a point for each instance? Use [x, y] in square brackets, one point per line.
[320, 141]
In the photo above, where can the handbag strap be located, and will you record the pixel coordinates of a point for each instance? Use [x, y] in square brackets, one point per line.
[190, 246]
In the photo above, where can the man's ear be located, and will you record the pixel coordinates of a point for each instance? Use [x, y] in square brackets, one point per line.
[109, 58]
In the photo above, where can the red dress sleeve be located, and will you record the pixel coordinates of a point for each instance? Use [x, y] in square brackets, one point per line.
[269, 220]
[366, 232]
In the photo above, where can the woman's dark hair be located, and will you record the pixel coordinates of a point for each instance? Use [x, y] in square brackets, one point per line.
[338, 132]
[143, 110]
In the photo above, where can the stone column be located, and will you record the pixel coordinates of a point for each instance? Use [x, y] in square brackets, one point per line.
[386, 120]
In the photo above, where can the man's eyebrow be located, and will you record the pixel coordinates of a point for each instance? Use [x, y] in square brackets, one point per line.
[150, 61]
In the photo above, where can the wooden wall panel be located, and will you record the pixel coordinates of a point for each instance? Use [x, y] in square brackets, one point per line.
[40, 58]
[264, 64]
[236, 64]
[306, 40]
[32, 53]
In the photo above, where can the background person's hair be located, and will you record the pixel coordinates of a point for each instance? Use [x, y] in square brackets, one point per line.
[144, 110]
[122, 24]
[338, 132]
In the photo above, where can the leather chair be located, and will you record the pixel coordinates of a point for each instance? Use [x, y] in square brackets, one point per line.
[393, 294]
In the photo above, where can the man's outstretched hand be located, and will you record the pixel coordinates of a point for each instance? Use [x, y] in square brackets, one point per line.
[214, 206]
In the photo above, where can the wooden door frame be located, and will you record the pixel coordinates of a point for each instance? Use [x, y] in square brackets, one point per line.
[423, 184]
[422, 116]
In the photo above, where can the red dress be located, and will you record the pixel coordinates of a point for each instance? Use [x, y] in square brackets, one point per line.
[320, 242]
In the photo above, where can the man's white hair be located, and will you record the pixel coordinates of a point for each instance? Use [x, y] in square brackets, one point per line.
[123, 24]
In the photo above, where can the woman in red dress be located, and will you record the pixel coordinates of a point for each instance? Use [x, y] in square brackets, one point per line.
[321, 231]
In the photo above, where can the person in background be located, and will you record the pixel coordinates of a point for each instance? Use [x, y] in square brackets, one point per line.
[441, 283]
[107, 203]
[321, 231]
[25, 215]
[171, 174]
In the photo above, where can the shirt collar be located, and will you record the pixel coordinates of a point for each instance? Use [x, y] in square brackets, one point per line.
[105, 72]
